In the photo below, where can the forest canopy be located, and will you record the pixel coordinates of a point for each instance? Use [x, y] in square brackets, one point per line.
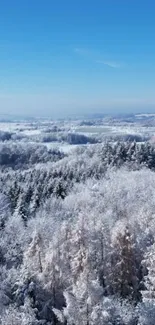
[77, 234]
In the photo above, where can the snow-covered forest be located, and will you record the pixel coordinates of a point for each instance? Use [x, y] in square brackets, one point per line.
[77, 226]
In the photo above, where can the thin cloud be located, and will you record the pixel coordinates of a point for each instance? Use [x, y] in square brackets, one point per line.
[111, 64]
[83, 52]
[93, 56]
[80, 50]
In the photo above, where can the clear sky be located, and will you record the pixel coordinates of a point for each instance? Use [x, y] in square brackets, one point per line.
[60, 57]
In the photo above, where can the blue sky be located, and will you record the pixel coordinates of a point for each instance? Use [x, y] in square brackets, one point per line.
[60, 57]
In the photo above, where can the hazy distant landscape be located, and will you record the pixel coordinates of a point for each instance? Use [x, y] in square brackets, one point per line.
[66, 133]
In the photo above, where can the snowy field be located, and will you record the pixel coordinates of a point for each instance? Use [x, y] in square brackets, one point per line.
[68, 135]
